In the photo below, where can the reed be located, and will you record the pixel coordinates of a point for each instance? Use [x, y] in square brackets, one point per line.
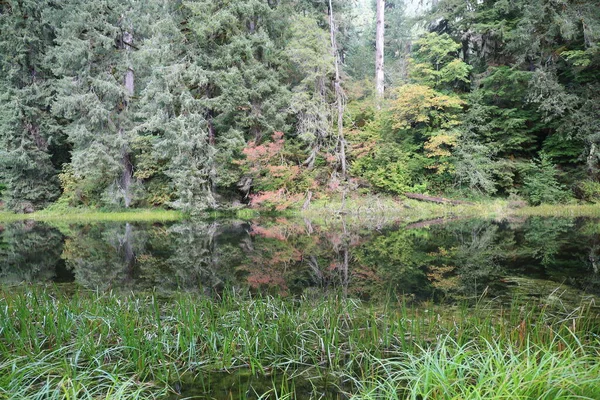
[55, 344]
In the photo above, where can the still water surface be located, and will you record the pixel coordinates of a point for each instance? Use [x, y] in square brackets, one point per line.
[534, 257]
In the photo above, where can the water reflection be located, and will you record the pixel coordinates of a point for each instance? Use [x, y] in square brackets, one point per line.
[30, 252]
[432, 260]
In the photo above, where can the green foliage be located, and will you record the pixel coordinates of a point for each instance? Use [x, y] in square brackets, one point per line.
[387, 169]
[28, 134]
[154, 102]
[435, 63]
[474, 166]
[588, 191]
[540, 184]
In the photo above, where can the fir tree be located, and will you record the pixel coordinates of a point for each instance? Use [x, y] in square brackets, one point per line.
[27, 130]
[96, 94]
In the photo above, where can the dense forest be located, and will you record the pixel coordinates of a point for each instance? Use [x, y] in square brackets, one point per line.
[204, 104]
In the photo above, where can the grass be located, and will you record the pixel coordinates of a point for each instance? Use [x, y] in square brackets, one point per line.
[92, 215]
[481, 369]
[556, 210]
[372, 206]
[86, 345]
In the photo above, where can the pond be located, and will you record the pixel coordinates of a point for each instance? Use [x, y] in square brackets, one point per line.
[441, 261]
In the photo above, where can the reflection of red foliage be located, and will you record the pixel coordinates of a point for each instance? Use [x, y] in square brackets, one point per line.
[258, 279]
[269, 233]
[282, 231]
[365, 281]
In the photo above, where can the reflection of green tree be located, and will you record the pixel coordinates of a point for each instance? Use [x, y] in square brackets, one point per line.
[567, 250]
[199, 260]
[477, 249]
[455, 260]
[29, 252]
[545, 237]
[104, 255]
[185, 256]
[395, 262]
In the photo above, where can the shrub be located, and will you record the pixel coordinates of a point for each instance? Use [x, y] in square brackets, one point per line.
[588, 191]
[540, 184]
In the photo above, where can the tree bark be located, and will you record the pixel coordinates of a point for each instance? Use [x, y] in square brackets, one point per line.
[127, 173]
[379, 48]
[339, 94]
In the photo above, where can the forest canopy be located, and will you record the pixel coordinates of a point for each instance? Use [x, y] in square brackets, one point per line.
[203, 104]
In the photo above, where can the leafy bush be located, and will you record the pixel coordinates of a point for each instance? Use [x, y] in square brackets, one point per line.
[540, 184]
[389, 169]
[588, 191]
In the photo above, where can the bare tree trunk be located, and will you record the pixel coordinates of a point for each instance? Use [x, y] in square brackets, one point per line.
[339, 94]
[379, 44]
[127, 174]
[592, 161]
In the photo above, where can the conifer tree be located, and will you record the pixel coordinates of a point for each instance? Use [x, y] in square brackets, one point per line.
[27, 130]
[96, 94]
[174, 135]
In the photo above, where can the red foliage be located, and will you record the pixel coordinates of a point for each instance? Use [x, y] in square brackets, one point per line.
[264, 153]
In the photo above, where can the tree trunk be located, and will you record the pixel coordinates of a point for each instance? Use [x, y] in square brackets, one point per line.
[379, 47]
[127, 167]
[339, 95]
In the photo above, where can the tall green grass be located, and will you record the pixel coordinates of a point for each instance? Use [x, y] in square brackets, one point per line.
[91, 345]
[482, 369]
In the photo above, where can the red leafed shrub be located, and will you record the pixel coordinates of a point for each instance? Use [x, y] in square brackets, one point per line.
[276, 181]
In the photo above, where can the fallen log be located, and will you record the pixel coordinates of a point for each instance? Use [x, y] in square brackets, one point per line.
[439, 200]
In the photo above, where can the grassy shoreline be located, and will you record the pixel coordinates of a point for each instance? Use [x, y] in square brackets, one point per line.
[93, 215]
[91, 345]
[360, 207]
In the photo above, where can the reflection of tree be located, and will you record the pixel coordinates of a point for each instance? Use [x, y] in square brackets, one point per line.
[459, 259]
[392, 263]
[477, 249]
[289, 256]
[577, 262]
[545, 237]
[186, 256]
[276, 257]
[104, 255]
[29, 252]
[202, 258]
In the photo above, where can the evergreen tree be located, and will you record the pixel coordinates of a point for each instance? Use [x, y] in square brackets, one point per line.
[93, 55]
[176, 148]
[28, 132]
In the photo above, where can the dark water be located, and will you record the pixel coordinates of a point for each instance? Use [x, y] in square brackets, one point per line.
[426, 261]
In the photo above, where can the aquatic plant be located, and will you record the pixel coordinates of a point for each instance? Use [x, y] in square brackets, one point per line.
[57, 343]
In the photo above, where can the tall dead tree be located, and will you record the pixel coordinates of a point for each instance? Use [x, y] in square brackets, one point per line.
[126, 178]
[340, 97]
[379, 47]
